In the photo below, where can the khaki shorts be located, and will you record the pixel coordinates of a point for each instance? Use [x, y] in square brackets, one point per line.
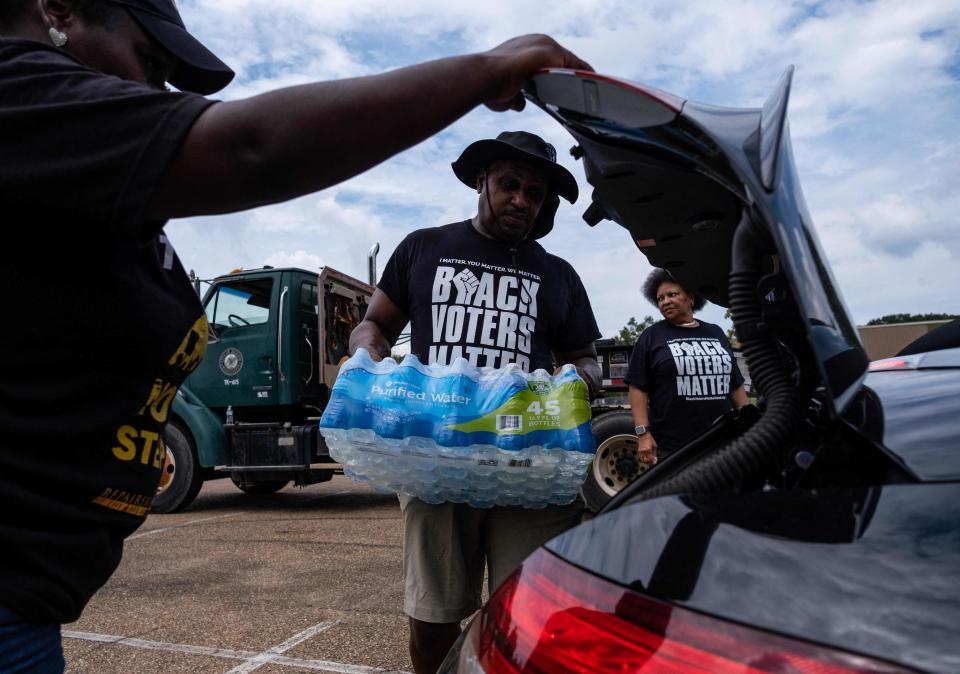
[445, 548]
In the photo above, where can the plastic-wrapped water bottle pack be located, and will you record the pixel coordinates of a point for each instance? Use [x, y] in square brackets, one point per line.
[457, 433]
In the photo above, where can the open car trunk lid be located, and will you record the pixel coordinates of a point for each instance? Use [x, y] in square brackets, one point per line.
[680, 177]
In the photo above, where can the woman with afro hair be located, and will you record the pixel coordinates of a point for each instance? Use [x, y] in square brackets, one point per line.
[682, 372]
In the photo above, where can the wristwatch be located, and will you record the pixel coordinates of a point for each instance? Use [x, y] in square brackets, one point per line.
[640, 429]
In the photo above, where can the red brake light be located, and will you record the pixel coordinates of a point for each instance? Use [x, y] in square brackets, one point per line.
[553, 618]
[619, 102]
[889, 365]
[673, 102]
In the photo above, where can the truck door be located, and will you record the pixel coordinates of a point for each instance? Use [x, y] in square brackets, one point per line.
[240, 367]
[309, 382]
[343, 303]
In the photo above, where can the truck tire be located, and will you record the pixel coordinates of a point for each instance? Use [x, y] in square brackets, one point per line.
[615, 465]
[260, 488]
[181, 478]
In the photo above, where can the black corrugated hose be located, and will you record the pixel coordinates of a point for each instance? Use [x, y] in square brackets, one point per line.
[759, 448]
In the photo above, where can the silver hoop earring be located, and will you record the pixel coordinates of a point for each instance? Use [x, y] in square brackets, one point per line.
[58, 38]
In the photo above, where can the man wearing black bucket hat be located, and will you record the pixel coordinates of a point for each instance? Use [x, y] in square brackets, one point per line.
[95, 156]
[484, 290]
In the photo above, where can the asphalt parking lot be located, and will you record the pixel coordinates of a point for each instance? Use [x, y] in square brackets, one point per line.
[302, 580]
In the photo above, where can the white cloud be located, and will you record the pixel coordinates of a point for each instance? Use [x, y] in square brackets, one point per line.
[873, 112]
[298, 258]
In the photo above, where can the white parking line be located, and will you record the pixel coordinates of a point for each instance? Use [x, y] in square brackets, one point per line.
[262, 658]
[320, 497]
[159, 645]
[151, 532]
[268, 656]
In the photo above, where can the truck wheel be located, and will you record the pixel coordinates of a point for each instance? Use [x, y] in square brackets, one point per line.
[260, 488]
[180, 477]
[616, 464]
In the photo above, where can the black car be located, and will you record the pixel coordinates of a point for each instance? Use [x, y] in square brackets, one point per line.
[822, 537]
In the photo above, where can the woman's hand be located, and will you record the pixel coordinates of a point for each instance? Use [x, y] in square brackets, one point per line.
[647, 448]
[517, 59]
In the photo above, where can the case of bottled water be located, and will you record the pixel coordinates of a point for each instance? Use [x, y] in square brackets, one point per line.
[462, 434]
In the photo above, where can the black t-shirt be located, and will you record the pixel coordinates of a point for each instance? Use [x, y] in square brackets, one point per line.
[688, 374]
[101, 324]
[490, 302]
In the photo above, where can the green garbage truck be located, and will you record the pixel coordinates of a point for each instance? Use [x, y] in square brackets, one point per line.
[250, 411]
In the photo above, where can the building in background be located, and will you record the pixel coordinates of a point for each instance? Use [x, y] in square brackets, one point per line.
[883, 341]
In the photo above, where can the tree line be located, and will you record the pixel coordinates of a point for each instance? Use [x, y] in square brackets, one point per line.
[909, 318]
[631, 331]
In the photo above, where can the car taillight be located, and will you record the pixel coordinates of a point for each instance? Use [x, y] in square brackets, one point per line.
[672, 101]
[551, 617]
[630, 105]
[889, 365]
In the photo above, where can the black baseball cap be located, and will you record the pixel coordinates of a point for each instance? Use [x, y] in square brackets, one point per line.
[526, 147]
[198, 69]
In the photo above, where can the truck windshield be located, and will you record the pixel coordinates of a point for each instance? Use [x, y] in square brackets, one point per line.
[240, 303]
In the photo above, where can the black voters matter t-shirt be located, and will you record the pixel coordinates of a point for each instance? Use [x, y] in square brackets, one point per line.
[488, 301]
[688, 374]
[101, 323]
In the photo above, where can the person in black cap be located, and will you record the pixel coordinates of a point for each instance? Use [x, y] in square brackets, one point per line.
[95, 156]
[484, 290]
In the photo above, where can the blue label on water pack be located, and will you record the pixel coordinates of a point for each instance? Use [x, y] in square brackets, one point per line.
[460, 405]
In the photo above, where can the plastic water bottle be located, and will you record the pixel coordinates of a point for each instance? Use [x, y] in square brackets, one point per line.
[461, 434]
[229, 414]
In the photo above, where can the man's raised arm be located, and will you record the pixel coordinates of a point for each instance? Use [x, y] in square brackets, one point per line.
[293, 141]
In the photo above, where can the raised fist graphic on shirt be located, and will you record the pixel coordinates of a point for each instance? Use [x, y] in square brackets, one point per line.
[466, 284]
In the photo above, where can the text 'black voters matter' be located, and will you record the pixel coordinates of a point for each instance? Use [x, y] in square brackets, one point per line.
[484, 313]
[703, 368]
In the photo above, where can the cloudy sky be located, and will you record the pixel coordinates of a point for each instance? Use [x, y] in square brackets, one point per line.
[874, 115]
